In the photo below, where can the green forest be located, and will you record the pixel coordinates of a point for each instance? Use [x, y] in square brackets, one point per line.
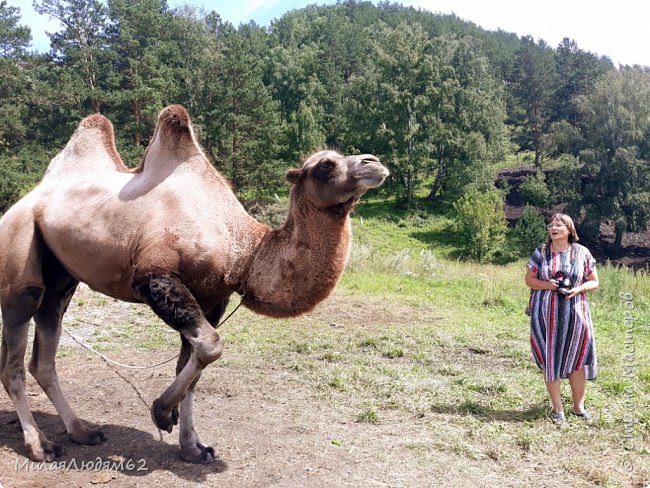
[445, 104]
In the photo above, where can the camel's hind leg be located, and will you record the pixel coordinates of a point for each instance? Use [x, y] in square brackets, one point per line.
[36, 286]
[60, 287]
[17, 310]
[21, 293]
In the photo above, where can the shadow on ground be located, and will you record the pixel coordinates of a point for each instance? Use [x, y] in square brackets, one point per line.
[472, 409]
[145, 453]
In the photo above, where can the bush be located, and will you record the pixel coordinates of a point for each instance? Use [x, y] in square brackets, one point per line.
[529, 231]
[534, 190]
[564, 180]
[481, 223]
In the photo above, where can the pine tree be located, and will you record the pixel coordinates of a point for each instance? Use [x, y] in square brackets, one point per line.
[529, 231]
[80, 47]
[243, 121]
[14, 39]
[617, 121]
[533, 79]
[139, 35]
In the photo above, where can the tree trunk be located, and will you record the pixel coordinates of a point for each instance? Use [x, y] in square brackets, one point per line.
[437, 184]
[619, 229]
[137, 115]
[408, 182]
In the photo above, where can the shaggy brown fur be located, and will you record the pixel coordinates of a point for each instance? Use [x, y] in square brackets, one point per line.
[170, 234]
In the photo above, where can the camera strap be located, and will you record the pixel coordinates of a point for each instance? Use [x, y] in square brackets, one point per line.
[547, 249]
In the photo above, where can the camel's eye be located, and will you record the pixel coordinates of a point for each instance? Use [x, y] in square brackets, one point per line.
[324, 170]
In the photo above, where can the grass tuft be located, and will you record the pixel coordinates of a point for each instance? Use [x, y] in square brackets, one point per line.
[369, 416]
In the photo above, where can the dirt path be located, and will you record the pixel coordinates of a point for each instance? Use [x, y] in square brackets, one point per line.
[267, 427]
[266, 431]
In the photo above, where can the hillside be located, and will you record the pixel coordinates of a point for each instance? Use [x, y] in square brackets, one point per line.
[635, 252]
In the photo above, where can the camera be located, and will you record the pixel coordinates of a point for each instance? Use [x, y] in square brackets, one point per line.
[563, 283]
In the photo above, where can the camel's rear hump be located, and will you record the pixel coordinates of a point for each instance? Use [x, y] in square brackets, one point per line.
[91, 146]
[174, 122]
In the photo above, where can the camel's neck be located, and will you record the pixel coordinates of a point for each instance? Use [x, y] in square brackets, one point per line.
[297, 266]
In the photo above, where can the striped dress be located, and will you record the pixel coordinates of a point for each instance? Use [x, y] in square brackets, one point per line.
[561, 332]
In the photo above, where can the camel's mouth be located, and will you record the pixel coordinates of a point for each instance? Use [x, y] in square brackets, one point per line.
[372, 178]
[370, 173]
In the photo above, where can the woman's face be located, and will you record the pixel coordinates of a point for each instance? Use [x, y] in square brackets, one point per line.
[558, 230]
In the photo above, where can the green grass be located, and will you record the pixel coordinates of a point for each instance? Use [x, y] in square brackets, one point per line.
[472, 367]
[445, 344]
[483, 369]
[389, 230]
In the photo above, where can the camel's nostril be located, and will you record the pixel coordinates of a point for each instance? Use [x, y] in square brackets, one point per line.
[369, 158]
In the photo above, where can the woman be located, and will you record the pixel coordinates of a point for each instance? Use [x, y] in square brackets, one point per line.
[561, 273]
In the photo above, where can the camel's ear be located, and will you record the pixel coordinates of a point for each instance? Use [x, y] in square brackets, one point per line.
[294, 175]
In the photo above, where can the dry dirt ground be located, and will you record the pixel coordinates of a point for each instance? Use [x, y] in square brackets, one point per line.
[267, 428]
[265, 432]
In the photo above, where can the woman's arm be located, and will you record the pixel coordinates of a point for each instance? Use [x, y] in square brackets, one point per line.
[534, 283]
[591, 283]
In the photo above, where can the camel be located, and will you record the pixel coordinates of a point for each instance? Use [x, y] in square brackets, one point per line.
[171, 234]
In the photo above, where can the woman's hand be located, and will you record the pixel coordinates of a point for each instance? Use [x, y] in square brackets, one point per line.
[574, 292]
[534, 283]
[590, 284]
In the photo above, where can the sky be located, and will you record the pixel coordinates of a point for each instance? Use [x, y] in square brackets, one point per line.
[616, 29]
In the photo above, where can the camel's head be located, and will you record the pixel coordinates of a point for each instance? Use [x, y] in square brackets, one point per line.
[333, 181]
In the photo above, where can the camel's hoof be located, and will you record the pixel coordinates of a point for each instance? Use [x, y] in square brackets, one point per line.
[198, 454]
[47, 451]
[164, 419]
[89, 437]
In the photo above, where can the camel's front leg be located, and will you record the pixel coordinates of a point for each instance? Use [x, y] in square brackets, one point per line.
[192, 449]
[173, 302]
